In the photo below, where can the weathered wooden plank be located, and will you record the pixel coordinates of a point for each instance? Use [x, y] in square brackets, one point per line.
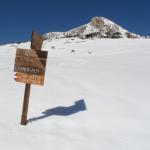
[30, 61]
[31, 53]
[29, 79]
[36, 41]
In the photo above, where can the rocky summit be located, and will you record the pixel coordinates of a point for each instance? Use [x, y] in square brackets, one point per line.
[98, 27]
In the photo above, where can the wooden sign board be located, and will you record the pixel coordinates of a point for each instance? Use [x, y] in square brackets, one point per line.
[29, 79]
[30, 61]
[37, 41]
[30, 66]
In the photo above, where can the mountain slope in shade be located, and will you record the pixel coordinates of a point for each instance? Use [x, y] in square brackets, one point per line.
[99, 27]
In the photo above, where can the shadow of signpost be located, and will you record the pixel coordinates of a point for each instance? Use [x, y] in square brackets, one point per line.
[62, 111]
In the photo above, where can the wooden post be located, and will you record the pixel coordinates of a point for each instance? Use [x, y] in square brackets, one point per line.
[25, 104]
[36, 44]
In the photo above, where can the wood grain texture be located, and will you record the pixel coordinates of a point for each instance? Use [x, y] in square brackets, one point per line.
[30, 61]
[36, 41]
[29, 79]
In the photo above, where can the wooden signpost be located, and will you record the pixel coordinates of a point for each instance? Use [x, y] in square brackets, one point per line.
[30, 69]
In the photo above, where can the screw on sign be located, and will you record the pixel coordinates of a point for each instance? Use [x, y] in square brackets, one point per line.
[30, 69]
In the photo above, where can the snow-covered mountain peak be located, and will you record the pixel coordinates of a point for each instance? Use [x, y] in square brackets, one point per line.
[106, 27]
[99, 27]
[102, 22]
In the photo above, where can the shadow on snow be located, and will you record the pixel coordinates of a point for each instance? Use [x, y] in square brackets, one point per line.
[62, 111]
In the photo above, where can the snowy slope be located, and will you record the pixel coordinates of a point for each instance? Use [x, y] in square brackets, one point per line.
[98, 27]
[53, 35]
[94, 98]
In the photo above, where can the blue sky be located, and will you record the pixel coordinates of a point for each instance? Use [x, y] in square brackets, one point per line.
[19, 17]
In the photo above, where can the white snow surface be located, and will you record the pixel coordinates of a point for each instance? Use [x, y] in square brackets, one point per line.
[96, 98]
